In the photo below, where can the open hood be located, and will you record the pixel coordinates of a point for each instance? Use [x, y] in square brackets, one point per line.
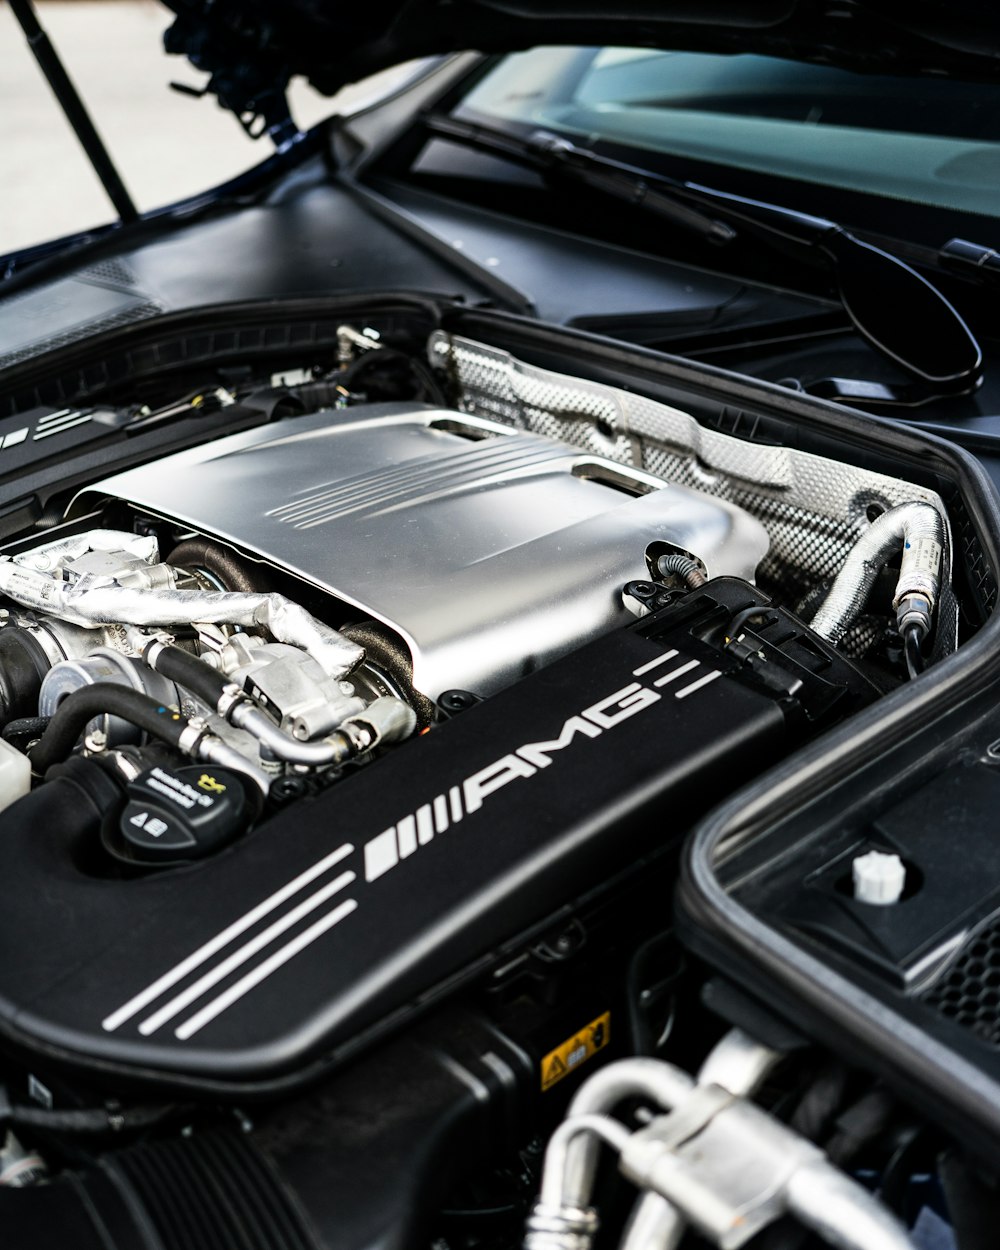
[254, 48]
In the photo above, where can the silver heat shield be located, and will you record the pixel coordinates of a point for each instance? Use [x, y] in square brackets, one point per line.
[490, 551]
[814, 509]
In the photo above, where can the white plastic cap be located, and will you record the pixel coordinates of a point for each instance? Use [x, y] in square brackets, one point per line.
[879, 878]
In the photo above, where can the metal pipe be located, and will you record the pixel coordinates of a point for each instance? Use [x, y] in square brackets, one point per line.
[554, 1223]
[597, 1129]
[654, 1224]
[213, 750]
[918, 530]
[663, 1085]
[338, 748]
[841, 1212]
[738, 1064]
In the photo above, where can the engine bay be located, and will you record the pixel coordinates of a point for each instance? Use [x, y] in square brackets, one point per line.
[409, 693]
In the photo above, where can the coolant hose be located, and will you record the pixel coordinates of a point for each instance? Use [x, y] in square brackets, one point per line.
[203, 681]
[77, 709]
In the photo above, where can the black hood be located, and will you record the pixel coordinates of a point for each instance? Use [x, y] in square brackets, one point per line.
[332, 42]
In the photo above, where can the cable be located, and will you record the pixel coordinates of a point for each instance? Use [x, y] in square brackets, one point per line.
[104, 697]
[96, 1120]
[677, 565]
[912, 653]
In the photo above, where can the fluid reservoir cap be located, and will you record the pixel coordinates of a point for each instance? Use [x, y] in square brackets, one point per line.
[176, 814]
[879, 878]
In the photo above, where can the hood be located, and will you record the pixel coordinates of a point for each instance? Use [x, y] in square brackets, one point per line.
[254, 46]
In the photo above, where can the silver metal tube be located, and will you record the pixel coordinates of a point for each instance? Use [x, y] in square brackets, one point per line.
[214, 751]
[738, 1064]
[665, 1086]
[386, 719]
[109, 605]
[596, 1129]
[248, 716]
[917, 529]
[655, 1224]
[841, 1212]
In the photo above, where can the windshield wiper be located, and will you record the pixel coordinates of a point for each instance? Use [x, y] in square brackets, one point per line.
[893, 307]
[548, 152]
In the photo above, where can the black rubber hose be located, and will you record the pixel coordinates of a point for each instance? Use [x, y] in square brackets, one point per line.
[177, 665]
[96, 1120]
[80, 707]
[232, 572]
[24, 729]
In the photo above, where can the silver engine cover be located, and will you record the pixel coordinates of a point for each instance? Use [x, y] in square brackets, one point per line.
[490, 551]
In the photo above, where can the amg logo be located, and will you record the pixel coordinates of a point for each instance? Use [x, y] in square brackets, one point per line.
[401, 840]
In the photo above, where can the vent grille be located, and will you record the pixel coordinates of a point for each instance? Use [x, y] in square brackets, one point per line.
[969, 992]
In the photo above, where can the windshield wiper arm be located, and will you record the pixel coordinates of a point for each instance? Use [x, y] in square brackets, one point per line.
[893, 307]
[546, 151]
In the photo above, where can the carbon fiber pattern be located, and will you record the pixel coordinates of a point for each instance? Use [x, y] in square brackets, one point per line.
[814, 509]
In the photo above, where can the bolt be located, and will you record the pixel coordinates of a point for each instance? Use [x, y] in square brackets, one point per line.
[285, 788]
[642, 589]
[456, 700]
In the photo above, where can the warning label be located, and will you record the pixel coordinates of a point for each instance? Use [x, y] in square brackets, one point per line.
[576, 1050]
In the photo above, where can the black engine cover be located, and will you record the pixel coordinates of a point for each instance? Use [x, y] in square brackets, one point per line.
[341, 912]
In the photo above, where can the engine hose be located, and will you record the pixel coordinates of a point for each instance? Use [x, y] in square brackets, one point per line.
[917, 531]
[222, 696]
[232, 572]
[690, 571]
[177, 665]
[77, 709]
[88, 1120]
[387, 719]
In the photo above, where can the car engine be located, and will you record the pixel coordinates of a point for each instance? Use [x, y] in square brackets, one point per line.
[314, 730]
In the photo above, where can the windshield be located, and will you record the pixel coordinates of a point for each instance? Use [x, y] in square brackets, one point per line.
[926, 141]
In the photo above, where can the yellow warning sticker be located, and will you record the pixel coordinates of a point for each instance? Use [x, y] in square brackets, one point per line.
[576, 1050]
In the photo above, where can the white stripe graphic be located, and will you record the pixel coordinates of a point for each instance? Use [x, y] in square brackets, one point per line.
[193, 992]
[697, 685]
[67, 424]
[660, 659]
[381, 854]
[50, 417]
[263, 971]
[169, 979]
[425, 824]
[678, 672]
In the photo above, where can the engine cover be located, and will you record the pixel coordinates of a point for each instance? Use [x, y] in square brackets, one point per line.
[340, 912]
[490, 551]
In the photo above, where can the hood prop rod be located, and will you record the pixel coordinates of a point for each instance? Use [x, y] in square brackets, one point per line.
[74, 109]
